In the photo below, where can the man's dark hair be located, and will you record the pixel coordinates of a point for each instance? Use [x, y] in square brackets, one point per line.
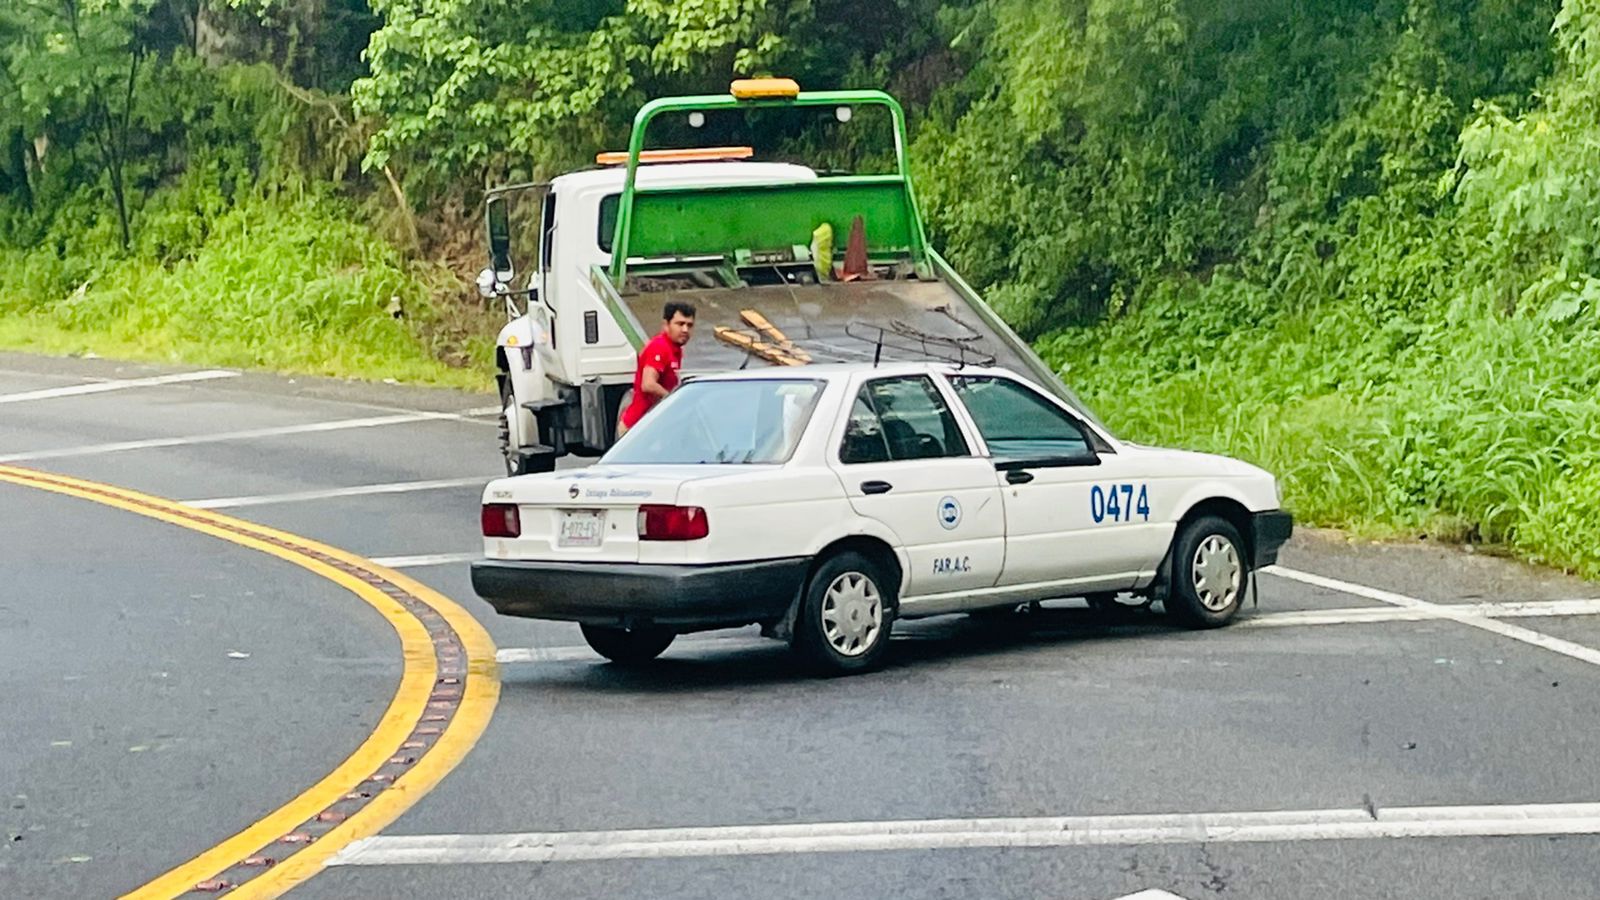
[675, 307]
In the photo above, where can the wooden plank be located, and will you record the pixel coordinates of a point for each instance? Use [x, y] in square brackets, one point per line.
[761, 323]
[762, 349]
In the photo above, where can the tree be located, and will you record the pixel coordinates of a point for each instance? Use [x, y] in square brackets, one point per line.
[466, 85]
[75, 68]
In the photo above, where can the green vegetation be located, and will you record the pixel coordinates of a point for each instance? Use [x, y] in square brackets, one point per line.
[296, 287]
[159, 206]
[1409, 329]
[1352, 240]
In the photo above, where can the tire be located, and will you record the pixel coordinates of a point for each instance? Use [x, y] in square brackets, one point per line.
[517, 462]
[845, 616]
[508, 451]
[622, 407]
[1209, 573]
[627, 647]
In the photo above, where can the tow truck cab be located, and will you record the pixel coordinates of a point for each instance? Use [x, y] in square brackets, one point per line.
[562, 350]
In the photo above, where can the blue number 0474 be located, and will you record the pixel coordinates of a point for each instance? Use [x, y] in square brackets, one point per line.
[1119, 502]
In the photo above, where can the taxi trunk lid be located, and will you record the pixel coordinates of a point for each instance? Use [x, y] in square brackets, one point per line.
[590, 515]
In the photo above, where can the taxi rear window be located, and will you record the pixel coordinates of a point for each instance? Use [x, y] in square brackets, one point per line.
[746, 422]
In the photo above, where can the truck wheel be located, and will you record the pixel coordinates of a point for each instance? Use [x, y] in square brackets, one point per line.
[626, 646]
[622, 407]
[517, 462]
[845, 615]
[508, 443]
[1208, 573]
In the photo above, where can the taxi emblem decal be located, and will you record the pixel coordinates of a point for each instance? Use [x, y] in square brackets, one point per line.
[949, 513]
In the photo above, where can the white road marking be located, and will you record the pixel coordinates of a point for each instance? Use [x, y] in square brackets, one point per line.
[426, 559]
[963, 834]
[1365, 614]
[1463, 615]
[1353, 615]
[220, 437]
[398, 487]
[101, 387]
[1151, 894]
[583, 653]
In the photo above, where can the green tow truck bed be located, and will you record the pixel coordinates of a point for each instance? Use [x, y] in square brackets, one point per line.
[700, 245]
[834, 323]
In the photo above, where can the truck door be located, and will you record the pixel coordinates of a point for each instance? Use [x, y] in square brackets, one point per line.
[905, 462]
[547, 236]
[1073, 517]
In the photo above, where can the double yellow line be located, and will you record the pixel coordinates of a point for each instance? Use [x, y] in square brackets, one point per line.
[418, 683]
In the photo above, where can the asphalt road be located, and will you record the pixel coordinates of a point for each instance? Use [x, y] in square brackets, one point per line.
[136, 733]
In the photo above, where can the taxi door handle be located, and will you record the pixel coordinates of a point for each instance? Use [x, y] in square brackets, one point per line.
[1017, 476]
[876, 487]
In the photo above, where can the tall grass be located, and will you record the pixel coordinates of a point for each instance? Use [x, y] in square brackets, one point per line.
[284, 284]
[1474, 426]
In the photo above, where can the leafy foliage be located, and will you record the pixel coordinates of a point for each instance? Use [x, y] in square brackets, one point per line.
[472, 89]
[1408, 331]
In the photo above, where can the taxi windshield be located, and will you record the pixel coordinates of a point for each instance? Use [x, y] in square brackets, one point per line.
[745, 422]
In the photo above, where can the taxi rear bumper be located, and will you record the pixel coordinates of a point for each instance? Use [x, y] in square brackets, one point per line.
[631, 595]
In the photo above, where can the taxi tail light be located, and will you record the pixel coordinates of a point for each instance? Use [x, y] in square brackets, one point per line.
[501, 520]
[672, 523]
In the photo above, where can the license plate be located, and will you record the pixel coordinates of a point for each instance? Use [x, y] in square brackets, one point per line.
[581, 528]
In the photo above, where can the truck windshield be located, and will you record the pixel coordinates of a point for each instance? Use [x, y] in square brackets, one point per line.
[753, 422]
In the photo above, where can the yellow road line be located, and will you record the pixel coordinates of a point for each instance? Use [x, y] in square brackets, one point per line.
[481, 690]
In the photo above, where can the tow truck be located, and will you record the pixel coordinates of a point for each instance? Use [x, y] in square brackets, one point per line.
[747, 243]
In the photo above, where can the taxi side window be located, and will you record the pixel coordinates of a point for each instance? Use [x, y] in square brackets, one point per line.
[899, 419]
[1016, 422]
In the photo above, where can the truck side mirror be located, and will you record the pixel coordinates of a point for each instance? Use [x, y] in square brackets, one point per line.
[499, 221]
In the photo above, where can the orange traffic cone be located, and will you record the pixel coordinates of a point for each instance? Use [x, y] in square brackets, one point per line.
[855, 252]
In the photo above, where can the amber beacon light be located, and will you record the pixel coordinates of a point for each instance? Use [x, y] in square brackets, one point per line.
[764, 88]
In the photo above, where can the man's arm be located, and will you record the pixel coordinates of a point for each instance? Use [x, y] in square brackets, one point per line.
[651, 383]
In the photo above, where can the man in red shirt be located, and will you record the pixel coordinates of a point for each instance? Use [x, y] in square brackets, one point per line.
[659, 361]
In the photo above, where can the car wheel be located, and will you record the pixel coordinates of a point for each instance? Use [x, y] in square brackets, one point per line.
[627, 646]
[1208, 573]
[845, 616]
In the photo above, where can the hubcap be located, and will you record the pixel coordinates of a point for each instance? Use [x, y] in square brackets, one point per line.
[852, 614]
[1217, 573]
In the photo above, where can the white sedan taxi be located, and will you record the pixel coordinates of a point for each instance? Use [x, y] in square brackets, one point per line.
[825, 502]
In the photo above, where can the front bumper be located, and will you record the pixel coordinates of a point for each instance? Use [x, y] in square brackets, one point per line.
[631, 595]
[1269, 531]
